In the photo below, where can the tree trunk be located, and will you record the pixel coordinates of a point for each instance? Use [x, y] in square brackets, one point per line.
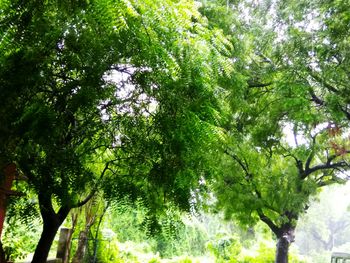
[74, 223]
[282, 250]
[283, 243]
[47, 236]
[2, 254]
[64, 244]
[82, 244]
[90, 218]
[51, 222]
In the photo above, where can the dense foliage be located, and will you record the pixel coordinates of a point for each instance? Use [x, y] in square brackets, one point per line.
[241, 105]
[288, 135]
[73, 123]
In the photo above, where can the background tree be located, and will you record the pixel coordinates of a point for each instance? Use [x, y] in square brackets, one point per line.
[274, 183]
[260, 163]
[329, 231]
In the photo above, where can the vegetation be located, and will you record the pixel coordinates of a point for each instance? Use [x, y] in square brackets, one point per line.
[124, 114]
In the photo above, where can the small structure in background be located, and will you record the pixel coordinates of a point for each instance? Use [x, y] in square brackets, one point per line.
[339, 257]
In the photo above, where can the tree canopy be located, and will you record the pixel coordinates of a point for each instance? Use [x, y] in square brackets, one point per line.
[164, 102]
[73, 121]
[288, 133]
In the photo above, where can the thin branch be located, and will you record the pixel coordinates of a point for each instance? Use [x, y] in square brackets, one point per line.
[93, 192]
[298, 162]
[295, 136]
[309, 159]
[253, 84]
[322, 81]
[312, 154]
[347, 113]
[258, 194]
[244, 166]
[316, 99]
[276, 230]
[124, 69]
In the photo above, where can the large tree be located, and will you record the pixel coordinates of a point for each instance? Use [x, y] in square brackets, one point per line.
[72, 122]
[50, 76]
[265, 176]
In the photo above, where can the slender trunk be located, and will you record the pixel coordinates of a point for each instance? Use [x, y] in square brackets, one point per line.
[69, 241]
[97, 231]
[47, 236]
[90, 218]
[283, 243]
[282, 250]
[3, 258]
[64, 244]
[82, 243]
[51, 222]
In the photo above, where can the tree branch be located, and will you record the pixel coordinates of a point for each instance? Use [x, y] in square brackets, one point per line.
[315, 99]
[93, 192]
[275, 229]
[347, 113]
[328, 86]
[240, 162]
[326, 166]
[253, 84]
[309, 158]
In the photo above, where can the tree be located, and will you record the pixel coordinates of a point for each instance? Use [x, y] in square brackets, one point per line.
[326, 224]
[70, 129]
[57, 126]
[273, 181]
[264, 177]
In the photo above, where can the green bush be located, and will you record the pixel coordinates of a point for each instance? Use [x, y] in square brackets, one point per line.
[154, 260]
[19, 239]
[266, 254]
[185, 260]
[226, 249]
[109, 252]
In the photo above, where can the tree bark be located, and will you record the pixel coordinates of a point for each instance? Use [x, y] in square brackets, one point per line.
[3, 258]
[43, 247]
[64, 244]
[82, 243]
[283, 243]
[282, 250]
[51, 222]
[68, 251]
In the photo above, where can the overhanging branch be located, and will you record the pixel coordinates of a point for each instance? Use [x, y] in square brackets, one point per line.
[328, 86]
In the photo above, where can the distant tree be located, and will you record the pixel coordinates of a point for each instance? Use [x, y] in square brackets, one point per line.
[326, 224]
